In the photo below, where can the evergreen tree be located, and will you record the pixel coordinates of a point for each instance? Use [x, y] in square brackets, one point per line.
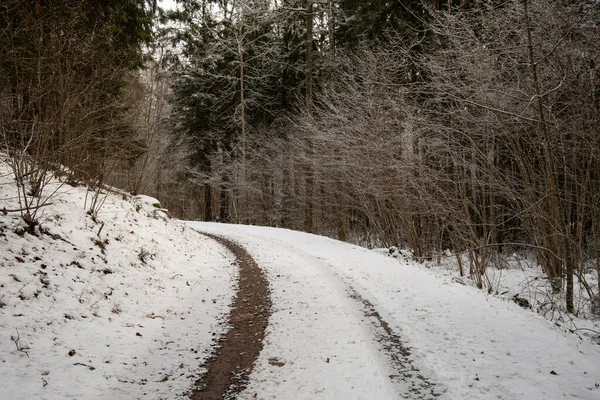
[242, 65]
[63, 66]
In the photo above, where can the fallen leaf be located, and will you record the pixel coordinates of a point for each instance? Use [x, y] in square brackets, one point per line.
[166, 378]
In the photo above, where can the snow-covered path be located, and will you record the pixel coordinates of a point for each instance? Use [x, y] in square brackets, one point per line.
[318, 333]
[323, 341]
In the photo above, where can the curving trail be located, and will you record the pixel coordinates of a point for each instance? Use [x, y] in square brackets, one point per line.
[324, 339]
[229, 367]
[349, 323]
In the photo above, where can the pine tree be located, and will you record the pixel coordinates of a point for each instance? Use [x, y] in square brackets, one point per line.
[63, 67]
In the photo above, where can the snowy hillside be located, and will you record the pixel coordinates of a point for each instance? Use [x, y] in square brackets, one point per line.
[124, 307]
[129, 304]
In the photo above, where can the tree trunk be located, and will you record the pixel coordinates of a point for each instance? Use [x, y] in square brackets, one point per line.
[309, 55]
[310, 183]
[223, 205]
[208, 212]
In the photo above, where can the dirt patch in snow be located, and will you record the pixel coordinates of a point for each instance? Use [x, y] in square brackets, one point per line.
[231, 363]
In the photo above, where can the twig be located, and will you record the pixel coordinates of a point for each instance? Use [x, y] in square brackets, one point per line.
[45, 202]
[100, 230]
[94, 304]
[586, 329]
[17, 339]
[25, 285]
[26, 174]
[85, 365]
[27, 209]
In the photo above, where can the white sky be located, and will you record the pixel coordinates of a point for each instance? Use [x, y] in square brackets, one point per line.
[167, 4]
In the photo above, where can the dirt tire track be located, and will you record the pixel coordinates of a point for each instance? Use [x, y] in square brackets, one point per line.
[231, 363]
[419, 386]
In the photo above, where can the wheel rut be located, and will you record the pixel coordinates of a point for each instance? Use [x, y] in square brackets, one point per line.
[230, 365]
[418, 386]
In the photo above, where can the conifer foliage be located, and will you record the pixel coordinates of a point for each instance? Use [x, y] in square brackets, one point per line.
[461, 126]
[470, 126]
[63, 68]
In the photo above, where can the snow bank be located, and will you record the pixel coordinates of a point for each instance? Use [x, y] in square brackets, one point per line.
[121, 306]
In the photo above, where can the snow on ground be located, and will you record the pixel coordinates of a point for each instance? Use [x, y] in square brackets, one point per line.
[127, 305]
[473, 345]
[518, 274]
[316, 345]
[124, 307]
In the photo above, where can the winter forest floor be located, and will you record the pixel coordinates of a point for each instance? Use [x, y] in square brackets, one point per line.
[131, 304]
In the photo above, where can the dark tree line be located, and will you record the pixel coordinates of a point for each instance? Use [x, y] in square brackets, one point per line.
[64, 68]
[241, 68]
[470, 126]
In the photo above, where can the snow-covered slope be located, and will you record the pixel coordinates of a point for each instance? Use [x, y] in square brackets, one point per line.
[468, 344]
[123, 307]
[128, 304]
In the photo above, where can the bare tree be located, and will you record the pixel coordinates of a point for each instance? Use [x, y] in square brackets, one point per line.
[514, 109]
[60, 92]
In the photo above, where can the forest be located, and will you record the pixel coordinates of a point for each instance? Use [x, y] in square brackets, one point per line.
[466, 127]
